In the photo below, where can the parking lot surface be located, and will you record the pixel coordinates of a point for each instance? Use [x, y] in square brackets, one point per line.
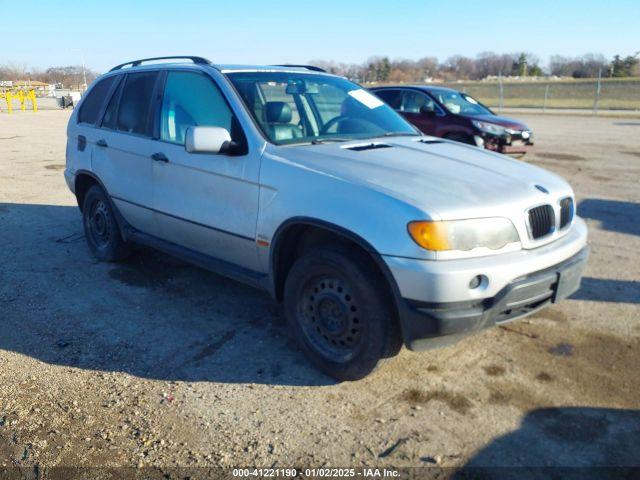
[155, 362]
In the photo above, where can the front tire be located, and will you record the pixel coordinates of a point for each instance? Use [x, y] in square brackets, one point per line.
[101, 229]
[339, 309]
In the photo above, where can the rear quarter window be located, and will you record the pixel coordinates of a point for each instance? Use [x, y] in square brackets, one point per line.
[91, 105]
[109, 119]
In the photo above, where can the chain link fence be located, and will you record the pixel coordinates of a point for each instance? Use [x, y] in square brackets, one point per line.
[607, 94]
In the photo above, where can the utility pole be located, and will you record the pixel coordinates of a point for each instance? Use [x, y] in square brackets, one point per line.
[596, 100]
[546, 95]
[501, 101]
[84, 70]
[84, 74]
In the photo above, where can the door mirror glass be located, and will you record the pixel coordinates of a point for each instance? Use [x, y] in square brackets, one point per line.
[207, 139]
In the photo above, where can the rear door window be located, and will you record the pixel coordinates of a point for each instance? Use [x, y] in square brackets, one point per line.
[135, 104]
[95, 99]
[390, 97]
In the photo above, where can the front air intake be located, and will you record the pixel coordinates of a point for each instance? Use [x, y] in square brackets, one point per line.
[566, 211]
[541, 221]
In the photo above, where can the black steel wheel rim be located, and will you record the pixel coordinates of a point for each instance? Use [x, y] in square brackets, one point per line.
[329, 317]
[99, 224]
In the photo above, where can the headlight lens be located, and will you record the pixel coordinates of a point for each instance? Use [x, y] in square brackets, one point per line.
[493, 233]
[491, 128]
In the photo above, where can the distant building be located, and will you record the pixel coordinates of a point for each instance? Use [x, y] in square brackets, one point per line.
[42, 89]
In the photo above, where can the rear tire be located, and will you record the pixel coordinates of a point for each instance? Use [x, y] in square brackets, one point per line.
[101, 229]
[340, 311]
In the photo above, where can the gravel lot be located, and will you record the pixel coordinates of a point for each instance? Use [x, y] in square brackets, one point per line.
[154, 362]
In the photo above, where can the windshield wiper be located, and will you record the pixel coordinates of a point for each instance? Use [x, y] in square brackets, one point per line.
[318, 141]
[400, 134]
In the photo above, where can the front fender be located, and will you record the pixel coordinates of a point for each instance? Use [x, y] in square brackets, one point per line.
[289, 191]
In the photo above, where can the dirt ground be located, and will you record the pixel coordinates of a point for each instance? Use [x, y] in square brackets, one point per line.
[156, 363]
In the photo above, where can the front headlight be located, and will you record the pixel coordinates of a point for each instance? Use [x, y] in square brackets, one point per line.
[493, 233]
[491, 128]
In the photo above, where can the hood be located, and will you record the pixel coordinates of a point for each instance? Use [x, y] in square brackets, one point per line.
[499, 120]
[442, 178]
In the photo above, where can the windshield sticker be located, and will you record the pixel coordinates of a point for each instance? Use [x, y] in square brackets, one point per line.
[471, 100]
[366, 98]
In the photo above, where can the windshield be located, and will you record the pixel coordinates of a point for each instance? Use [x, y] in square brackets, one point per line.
[461, 103]
[294, 107]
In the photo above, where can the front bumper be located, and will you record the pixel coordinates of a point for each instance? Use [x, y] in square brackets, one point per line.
[70, 179]
[515, 148]
[508, 144]
[428, 325]
[434, 297]
[444, 281]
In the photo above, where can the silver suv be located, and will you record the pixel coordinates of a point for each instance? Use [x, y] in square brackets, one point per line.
[306, 185]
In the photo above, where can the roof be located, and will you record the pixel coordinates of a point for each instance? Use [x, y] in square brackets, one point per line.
[427, 88]
[201, 62]
[226, 68]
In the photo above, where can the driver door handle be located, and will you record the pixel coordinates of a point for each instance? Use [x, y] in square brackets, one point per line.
[160, 157]
[102, 143]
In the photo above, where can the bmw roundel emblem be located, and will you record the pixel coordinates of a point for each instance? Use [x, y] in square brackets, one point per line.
[541, 188]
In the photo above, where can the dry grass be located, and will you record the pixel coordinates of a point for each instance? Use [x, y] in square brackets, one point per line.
[617, 94]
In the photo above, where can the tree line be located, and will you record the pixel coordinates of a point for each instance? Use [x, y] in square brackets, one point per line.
[68, 76]
[383, 69]
[484, 65]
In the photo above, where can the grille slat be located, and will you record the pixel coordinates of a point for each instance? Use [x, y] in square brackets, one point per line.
[541, 220]
[566, 211]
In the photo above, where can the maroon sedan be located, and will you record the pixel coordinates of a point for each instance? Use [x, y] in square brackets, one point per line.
[444, 112]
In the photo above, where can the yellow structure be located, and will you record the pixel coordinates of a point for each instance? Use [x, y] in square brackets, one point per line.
[22, 96]
[32, 98]
[8, 97]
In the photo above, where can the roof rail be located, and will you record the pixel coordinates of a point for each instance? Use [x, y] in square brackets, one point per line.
[308, 67]
[136, 63]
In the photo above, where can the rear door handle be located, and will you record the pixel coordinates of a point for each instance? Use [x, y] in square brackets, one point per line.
[102, 143]
[160, 157]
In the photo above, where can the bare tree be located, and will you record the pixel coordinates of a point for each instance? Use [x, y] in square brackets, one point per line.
[493, 64]
[459, 67]
[69, 75]
[14, 71]
[586, 66]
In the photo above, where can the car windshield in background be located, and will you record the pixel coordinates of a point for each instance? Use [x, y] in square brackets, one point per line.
[460, 103]
[293, 107]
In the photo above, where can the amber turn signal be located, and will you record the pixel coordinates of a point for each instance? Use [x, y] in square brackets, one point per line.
[430, 235]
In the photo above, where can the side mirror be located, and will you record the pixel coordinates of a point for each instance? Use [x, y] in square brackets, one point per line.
[429, 112]
[207, 139]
